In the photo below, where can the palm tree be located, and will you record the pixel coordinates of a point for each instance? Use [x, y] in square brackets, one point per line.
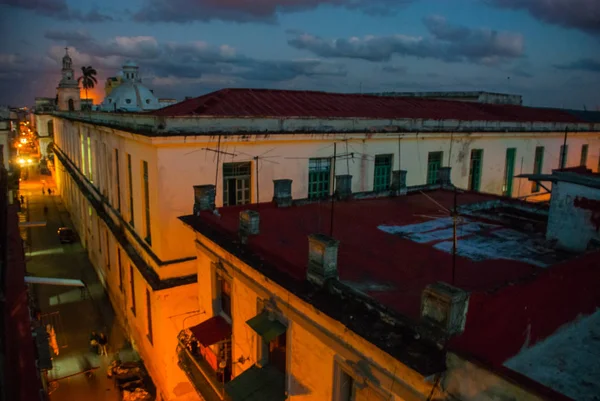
[88, 78]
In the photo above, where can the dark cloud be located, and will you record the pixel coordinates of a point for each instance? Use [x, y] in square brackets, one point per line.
[58, 9]
[447, 42]
[264, 11]
[68, 36]
[394, 69]
[578, 14]
[584, 64]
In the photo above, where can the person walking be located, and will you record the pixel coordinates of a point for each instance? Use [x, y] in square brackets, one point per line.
[102, 341]
[43, 191]
[22, 200]
[49, 191]
[45, 210]
[94, 342]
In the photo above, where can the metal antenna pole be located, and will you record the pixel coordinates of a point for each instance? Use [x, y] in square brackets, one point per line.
[399, 152]
[218, 158]
[333, 195]
[454, 244]
[257, 192]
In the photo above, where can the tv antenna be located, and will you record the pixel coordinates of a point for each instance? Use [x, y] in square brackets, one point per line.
[218, 152]
[257, 159]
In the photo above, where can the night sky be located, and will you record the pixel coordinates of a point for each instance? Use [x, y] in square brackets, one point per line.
[546, 50]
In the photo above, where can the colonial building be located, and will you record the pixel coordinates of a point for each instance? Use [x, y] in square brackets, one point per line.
[367, 312]
[68, 89]
[127, 177]
[128, 93]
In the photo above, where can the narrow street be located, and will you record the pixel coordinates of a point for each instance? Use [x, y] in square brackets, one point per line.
[72, 315]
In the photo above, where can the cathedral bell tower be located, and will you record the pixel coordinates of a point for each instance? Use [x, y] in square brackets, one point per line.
[68, 89]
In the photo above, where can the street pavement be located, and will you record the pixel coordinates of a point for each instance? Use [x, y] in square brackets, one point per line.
[74, 317]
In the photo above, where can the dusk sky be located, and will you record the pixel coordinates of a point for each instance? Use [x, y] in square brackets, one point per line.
[546, 50]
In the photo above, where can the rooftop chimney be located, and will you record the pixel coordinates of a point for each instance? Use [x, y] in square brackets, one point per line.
[343, 186]
[282, 194]
[204, 198]
[445, 306]
[398, 186]
[444, 176]
[249, 224]
[322, 259]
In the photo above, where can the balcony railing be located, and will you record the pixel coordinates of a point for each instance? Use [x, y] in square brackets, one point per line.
[200, 373]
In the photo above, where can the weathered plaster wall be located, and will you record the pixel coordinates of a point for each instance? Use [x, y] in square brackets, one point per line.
[570, 223]
[314, 341]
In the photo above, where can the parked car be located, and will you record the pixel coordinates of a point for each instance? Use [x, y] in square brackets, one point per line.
[67, 235]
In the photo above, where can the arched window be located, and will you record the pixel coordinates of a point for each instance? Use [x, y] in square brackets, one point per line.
[50, 128]
[71, 105]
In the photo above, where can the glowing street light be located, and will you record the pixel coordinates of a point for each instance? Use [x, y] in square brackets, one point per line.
[24, 140]
[21, 161]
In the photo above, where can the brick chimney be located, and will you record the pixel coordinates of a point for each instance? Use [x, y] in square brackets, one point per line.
[282, 194]
[343, 186]
[445, 306]
[398, 186]
[204, 198]
[249, 224]
[444, 177]
[322, 259]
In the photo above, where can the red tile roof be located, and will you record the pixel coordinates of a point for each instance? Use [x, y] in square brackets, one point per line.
[368, 255]
[287, 103]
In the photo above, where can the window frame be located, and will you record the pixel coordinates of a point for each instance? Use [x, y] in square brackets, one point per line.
[319, 177]
[509, 170]
[236, 171]
[382, 173]
[433, 166]
[538, 166]
[584, 155]
[475, 170]
[146, 200]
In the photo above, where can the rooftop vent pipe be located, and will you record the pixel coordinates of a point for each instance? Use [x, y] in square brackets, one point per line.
[282, 193]
[343, 186]
[398, 186]
[249, 224]
[204, 198]
[322, 259]
[445, 306]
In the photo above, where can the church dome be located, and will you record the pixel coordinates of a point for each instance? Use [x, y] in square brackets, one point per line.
[131, 95]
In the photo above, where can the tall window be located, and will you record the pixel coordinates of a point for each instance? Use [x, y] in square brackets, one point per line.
[89, 155]
[537, 167]
[236, 183]
[344, 389]
[118, 173]
[434, 162]
[509, 171]
[132, 282]
[50, 126]
[277, 352]
[120, 266]
[225, 296]
[149, 315]
[130, 188]
[71, 105]
[383, 172]
[475, 169]
[562, 162]
[319, 178]
[107, 250]
[146, 202]
[584, 155]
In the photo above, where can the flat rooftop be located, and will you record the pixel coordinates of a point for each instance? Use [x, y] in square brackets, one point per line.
[392, 248]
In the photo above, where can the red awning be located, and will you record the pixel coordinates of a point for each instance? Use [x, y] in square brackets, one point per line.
[212, 331]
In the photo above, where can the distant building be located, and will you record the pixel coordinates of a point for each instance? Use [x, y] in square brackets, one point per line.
[69, 98]
[130, 95]
[45, 104]
[476, 97]
[112, 83]
[167, 101]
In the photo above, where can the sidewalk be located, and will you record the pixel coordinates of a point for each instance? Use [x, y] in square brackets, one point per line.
[73, 318]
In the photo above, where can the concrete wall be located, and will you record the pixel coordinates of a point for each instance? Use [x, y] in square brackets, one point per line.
[168, 307]
[467, 381]
[571, 223]
[315, 342]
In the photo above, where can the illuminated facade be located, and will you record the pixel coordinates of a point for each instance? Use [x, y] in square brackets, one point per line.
[126, 178]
